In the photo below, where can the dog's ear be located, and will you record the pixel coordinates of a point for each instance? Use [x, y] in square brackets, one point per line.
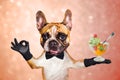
[68, 19]
[40, 19]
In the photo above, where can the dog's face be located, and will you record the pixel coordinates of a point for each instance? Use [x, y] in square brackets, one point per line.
[55, 37]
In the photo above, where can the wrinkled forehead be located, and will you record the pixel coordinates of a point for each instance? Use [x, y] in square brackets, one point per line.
[53, 28]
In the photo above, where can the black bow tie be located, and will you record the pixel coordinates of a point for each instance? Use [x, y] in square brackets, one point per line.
[60, 55]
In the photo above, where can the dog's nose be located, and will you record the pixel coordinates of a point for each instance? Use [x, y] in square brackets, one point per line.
[53, 43]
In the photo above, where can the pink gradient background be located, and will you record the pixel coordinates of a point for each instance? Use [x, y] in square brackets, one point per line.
[17, 19]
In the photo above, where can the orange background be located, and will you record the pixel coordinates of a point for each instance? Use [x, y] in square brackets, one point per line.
[17, 19]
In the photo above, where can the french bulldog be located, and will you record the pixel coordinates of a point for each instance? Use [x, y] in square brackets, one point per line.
[55, 61]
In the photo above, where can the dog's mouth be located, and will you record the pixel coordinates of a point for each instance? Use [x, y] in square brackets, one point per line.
[54, 50]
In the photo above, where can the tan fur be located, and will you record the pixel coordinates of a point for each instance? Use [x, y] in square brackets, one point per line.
[60, 28]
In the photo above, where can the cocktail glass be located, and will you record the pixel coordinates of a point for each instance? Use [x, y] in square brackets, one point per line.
[99, 50]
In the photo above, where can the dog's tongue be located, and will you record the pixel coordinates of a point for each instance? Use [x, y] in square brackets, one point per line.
[53, 52]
